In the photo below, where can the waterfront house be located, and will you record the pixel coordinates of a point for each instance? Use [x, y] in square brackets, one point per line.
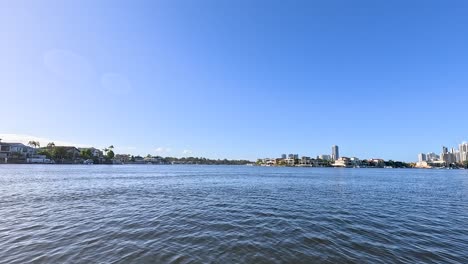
[290, 161]
[343, 162]
[153, 160]
[355, 161]
[430, 164]
[269, 161]
[73, 152]
[94, 152]
[15, 151]
[305, 161]
[139, 160]
[122, 158]
[379, 163]
[38, 159]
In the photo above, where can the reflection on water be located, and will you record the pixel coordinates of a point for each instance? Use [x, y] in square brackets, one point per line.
[236, 214]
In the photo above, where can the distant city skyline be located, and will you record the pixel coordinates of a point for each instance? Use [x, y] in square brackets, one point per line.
[455, 155]
[236, 79]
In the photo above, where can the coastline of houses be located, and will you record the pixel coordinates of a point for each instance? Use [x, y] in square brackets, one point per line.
[19, 153]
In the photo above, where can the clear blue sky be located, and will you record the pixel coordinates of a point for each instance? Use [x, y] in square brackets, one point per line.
[237, 79]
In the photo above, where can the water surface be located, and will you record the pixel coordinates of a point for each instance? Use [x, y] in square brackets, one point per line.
[231, 214]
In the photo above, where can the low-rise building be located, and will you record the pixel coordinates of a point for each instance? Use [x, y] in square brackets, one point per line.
[94, 152]
[343, 162]
[123, 158]
[355, 161]
[73, 152]
[269, 161]
[430, 164]
[305, 161]
[139, 160]
[324, 157]
[290, 161]
[380, 163]
[38, 159]
[15, 151]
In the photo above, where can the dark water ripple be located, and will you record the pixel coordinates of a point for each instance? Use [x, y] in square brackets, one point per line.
[203, 214]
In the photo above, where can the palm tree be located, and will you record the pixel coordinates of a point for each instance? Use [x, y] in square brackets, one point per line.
[34, 144]
[51, 145]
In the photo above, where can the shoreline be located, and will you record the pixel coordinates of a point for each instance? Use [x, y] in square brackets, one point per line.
[233, 165]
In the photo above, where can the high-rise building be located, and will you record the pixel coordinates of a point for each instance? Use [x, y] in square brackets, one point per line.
[422, 157]
[463, 152]
[448, 157]
[432, 157]
[335, 153]
[444, 150]
[283, 156]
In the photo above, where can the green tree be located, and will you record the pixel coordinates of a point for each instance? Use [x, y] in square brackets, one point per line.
[110, 154]
[51, 145]
[45, 152]
[59, 153]
[86, 154]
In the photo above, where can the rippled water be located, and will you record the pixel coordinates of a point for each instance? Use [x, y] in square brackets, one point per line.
[232, 214]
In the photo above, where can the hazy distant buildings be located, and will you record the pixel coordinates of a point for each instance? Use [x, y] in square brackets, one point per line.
[324, 157]
[448, 157]
[335, 153]
[422, 157]
[293, 156]
[463, 152]
[283, 156]
[444, 149]
[431, 156]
